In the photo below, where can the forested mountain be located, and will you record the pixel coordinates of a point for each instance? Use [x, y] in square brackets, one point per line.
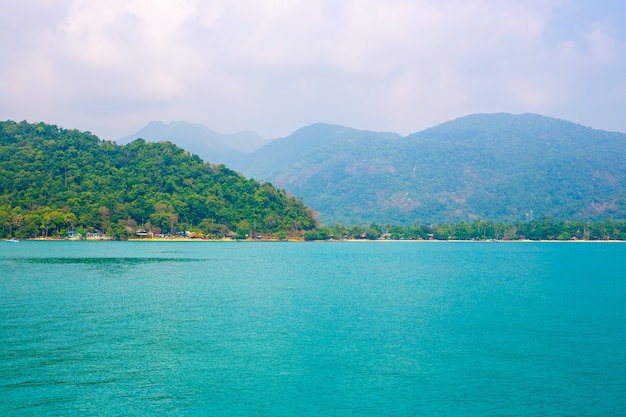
[53, 180]
[500, 167]
[271, 160]
[211, 146]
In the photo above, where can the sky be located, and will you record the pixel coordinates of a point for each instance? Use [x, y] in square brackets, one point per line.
[273, 66]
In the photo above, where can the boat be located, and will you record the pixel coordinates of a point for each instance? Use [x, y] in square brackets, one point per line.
[13, 240]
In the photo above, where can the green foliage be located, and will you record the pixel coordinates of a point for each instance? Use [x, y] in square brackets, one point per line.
[545, 228]
[496, 166]
[54, 180]
[312, 235]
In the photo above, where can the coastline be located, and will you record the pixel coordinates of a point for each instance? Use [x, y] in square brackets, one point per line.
[319, 241]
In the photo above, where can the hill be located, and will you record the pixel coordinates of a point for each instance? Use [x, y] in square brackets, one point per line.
[54, 180]
[501, 167]
[272, 160]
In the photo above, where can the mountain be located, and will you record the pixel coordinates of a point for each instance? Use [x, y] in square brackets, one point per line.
[271, 160]
[54, 179]
[211, 146]
[501, 167]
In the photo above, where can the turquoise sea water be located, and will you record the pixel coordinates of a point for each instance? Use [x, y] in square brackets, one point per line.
[312, 329]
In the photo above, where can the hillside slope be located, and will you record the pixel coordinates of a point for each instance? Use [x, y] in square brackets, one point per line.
[56, 179]
[493, 166]
[271, 160]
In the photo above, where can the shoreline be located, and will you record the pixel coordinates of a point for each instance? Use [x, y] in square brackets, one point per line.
[317, 241]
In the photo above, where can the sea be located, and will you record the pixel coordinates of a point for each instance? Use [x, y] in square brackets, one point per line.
[312, 329]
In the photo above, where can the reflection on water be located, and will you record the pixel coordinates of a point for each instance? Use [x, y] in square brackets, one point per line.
[101, 261]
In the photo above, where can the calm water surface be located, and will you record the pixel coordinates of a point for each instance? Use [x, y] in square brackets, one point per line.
[332, 329]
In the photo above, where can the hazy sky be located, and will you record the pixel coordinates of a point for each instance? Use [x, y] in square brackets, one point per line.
[273, 66]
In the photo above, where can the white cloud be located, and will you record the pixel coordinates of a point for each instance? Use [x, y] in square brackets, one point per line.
[134, 43]
[272, 66]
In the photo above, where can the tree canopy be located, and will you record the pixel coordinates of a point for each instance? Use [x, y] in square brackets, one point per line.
[494, 166]
[545, 228]
[53, 180]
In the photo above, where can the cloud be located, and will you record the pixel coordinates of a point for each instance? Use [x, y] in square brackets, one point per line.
[273, 66]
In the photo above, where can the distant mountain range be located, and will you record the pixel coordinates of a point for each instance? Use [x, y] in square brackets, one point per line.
[486, 166]
[208, 144]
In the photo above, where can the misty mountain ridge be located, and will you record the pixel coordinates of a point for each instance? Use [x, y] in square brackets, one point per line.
[483, 166]
[270, 160]
[200, 140]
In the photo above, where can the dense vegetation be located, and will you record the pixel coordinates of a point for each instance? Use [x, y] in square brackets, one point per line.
[54, 180]
[545, 228]
[493, 166]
